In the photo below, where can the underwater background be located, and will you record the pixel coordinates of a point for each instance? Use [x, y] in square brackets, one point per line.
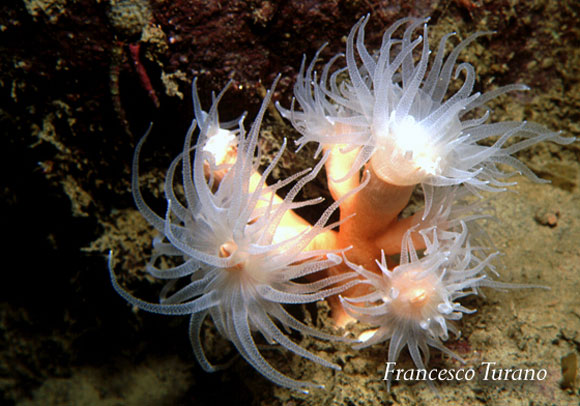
[80, 82]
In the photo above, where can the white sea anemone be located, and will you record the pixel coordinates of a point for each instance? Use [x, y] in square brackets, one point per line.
[396, 109]
[415, 304]
[238, 264]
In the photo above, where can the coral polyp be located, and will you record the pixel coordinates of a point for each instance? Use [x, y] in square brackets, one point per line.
[241, 247]
[397, 111]
[415, 304]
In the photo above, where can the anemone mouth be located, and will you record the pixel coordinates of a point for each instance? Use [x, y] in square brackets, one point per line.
[405, 167]
[415, 297]
[222, 145]
[405, 153]
[229, 250]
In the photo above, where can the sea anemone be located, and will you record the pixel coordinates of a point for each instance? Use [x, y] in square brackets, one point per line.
[239, 246]
[396, 111]
[415, 304]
